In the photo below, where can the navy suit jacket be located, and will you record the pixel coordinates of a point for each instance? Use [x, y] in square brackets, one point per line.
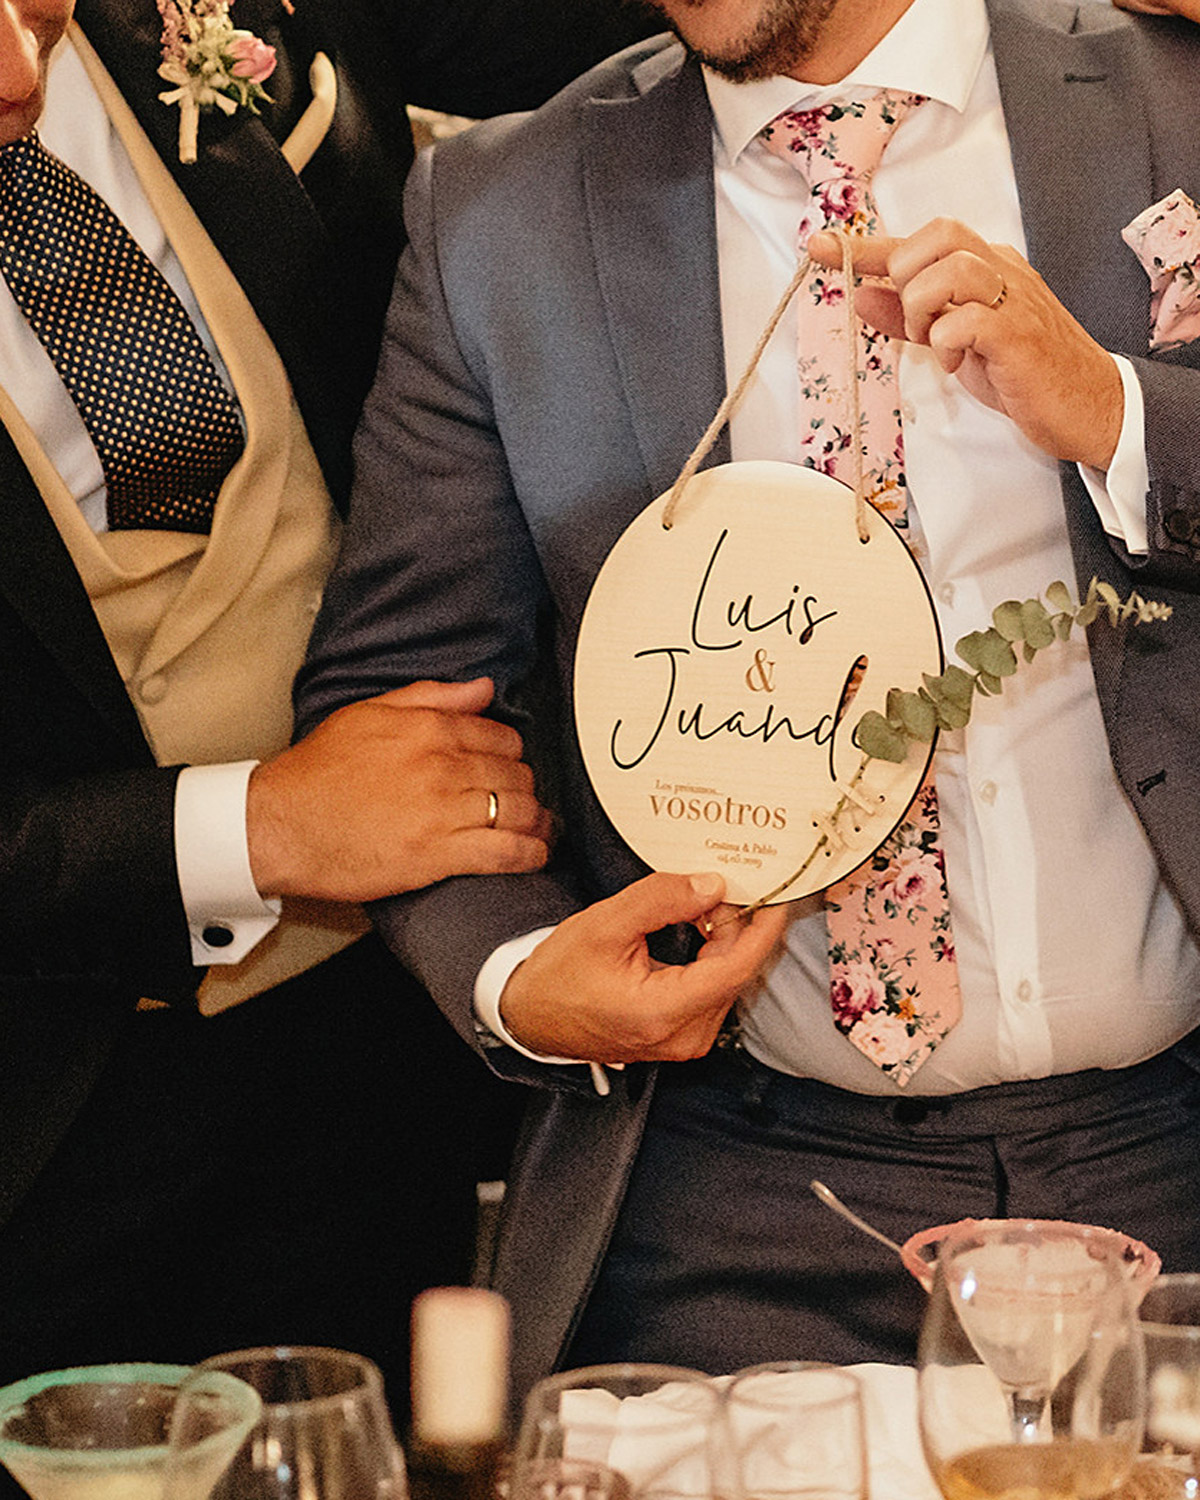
[553, 354]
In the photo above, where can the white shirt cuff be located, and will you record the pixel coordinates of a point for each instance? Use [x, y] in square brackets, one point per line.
[225, 913]
[1120, 494]
[489, 986]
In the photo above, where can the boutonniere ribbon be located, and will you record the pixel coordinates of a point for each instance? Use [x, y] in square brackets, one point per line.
[1166, 239]
[212, 64]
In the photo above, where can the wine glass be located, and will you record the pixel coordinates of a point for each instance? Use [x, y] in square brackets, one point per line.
[1169, 1466]
[1030, 1366]
[323, 1431]
[101, 1432]
[920, 1251]
[641, 1431]
[796, 1430]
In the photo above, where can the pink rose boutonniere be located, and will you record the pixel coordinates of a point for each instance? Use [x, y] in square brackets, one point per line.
[211, 64]
[1166, 239]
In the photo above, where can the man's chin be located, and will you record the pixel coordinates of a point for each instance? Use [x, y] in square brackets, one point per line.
[17, 120]
[737, 69]
[747, 42]
[705, 28]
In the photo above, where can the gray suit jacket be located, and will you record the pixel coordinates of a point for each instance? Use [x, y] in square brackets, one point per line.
[552, 355]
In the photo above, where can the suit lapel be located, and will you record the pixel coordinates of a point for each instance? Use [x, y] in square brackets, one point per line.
[649, 192]
[39, 580]
[1080, 139]
[241, 187]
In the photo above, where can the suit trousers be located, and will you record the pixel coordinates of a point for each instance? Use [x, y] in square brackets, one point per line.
[722, 1256]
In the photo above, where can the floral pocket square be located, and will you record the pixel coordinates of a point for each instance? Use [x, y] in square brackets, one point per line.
[1166, 239]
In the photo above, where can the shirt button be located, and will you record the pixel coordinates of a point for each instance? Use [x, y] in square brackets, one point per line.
[908, 412]
[153, 689]
[946, 594]
[1024, 992]
[987, 792]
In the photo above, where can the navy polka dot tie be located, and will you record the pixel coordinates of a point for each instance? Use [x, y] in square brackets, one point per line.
[165, 427]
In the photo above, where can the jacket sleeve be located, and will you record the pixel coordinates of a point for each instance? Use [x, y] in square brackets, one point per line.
[1171, 389]
[88, 885]
[88, 889]
[438, 578]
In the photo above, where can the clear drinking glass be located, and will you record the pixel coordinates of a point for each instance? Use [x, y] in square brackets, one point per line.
[323, 1432]
[796, 1431]
[1030, 1366]
[641, 1431]
[101, 1432]
[1169, 1466]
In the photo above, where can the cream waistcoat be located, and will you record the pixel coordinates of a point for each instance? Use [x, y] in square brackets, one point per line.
[208, 632]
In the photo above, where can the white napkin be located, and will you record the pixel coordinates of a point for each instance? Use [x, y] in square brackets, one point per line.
[658, 1441]
[896, 1464]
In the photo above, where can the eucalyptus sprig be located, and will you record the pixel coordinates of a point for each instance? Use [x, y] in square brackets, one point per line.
[945, 701]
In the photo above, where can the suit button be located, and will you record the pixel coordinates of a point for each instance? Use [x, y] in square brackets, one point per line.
[216, 937]
[1179, 526]
[153, 689]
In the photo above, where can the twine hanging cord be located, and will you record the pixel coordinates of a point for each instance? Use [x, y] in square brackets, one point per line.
[704, 446]
[727, 407]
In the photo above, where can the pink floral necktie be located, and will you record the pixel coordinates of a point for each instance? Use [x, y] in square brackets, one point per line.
[894, 982]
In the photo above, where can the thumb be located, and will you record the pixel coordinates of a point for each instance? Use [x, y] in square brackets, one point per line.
[450, 697]
[657, 901]
[881, 307]
[869, 252]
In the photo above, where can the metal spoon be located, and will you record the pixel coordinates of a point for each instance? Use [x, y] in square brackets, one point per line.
[831, 1200]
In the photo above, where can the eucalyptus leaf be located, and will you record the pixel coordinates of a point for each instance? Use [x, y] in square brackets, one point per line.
[953, 711]
[1110, 598]
[1086, 613]
[1007, 618]
[951, 716]
[894, 708]
[957, 685]
[1059, 597]
[971, 648]
[875, 737]
[1036, 627]
[918, 717]
[988, 651]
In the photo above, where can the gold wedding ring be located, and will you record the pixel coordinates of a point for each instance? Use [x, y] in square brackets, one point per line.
[493, 809]
[999, 298]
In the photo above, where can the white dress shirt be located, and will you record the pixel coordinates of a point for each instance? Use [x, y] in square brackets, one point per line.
[210, 818]
[1071, 952]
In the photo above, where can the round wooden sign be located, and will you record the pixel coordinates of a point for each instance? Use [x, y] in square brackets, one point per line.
[723, 665]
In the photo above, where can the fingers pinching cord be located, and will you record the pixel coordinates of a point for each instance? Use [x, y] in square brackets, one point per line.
[493, 809]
